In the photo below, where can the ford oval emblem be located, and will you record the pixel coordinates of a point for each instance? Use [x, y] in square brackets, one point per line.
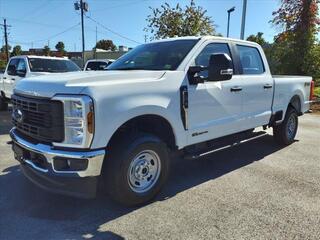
[18, 115]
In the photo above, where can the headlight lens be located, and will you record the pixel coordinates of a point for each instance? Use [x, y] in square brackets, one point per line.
[78, 121]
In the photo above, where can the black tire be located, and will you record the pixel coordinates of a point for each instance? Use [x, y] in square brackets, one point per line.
[3, 104]
[123, 153]
[281, 132]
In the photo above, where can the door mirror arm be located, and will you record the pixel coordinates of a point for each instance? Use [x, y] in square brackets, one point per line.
[193, 78]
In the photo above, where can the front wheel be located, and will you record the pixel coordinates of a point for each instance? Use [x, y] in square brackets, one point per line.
[136, 169]
[287, 130]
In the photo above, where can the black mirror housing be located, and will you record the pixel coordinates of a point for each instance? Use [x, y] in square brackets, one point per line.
[21, 73]
[220, 67]
[193, 70]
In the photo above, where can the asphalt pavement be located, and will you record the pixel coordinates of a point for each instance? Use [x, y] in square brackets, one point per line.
[257, 190]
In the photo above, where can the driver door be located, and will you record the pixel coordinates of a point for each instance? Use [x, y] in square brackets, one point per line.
[13, 74]
[214, 106]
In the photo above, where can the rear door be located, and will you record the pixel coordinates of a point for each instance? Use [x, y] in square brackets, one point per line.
[257, 87]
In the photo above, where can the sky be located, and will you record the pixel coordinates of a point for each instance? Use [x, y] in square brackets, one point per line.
[35, 23]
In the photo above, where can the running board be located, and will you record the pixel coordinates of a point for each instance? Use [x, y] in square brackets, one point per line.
[218, 147]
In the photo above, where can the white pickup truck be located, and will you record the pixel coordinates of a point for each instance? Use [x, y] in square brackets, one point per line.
[189, 95]
[28, 66]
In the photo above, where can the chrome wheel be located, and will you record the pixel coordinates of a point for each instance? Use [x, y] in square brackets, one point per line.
[291, 127]
[144, 171]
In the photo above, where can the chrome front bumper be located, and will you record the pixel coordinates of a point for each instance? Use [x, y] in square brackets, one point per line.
[94, 157]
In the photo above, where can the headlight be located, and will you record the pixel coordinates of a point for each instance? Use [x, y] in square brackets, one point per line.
[78, 121]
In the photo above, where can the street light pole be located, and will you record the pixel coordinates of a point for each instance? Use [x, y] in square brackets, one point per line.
[243, 23]
[229, 12]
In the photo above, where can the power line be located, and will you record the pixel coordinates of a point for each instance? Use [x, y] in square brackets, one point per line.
[119, 5]
[110, 30]
[32, 22]
[45, 3]
[50, 37]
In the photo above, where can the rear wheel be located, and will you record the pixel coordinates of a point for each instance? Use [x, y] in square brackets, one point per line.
[136, 169]
[3, 104]
[287, 130]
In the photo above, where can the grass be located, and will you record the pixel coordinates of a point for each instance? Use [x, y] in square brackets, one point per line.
[317, 92]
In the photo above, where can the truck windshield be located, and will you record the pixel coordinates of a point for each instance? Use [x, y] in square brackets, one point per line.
[52, 65]
[155, 56]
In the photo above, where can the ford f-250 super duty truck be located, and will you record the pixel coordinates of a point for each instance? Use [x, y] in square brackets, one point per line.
[20, 67]
[190, 95]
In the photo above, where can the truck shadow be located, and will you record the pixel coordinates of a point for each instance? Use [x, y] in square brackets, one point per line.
[76, 218]
[5, 122]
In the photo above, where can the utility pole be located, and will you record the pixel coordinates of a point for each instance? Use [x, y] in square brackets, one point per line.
[83, 7]
[5, 26]
[95, 49]
[243, 23]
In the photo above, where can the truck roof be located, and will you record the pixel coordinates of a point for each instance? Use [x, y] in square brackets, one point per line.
[208, 38]
[42, 57]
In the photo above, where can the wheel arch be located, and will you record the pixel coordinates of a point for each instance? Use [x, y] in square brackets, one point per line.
[149, 123]
[296, 102]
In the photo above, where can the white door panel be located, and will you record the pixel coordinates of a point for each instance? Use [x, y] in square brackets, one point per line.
[257, 99]
[214, 110]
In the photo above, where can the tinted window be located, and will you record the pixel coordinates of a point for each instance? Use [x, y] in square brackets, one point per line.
[52, 65]
[155, 56]
[212, 48]
[96, 66]
[12, 67]
[22, 66]
[250, 60]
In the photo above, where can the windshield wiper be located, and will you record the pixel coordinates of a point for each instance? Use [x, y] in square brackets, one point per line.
[128, 68]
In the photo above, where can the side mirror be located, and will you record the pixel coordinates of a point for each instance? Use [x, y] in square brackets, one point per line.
[21, 73]
[193, 70]
[220, 67]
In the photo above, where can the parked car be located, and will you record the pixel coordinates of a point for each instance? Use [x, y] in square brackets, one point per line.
[98, 64]
[190, 95]
[28, 66]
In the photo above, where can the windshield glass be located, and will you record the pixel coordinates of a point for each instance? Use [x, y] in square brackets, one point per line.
[155, 56]
[52, 65]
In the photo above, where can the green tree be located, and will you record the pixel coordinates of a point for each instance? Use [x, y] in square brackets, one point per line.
[295, 49]
[106, 45]
[46, 50]
[60, 47]
[16, 50]
[168, 21]
[258, 38]
[3, 48]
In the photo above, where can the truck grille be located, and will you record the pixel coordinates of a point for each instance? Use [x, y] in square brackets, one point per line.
[38, 118]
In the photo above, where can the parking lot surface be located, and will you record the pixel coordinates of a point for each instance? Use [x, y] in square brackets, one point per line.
[257, 190]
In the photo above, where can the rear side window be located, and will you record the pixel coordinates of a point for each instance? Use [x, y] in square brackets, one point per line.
[250, 59]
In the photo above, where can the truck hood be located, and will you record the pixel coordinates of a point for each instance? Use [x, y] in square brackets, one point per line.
[74, 82]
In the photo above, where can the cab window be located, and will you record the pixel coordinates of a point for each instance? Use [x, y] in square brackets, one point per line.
[12, 67]
[250, 59]
[212, 48]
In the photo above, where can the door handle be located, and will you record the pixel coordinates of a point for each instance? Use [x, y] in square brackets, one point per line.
[267, 86]
[13, 79]
[236, 89]
[4, 78]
